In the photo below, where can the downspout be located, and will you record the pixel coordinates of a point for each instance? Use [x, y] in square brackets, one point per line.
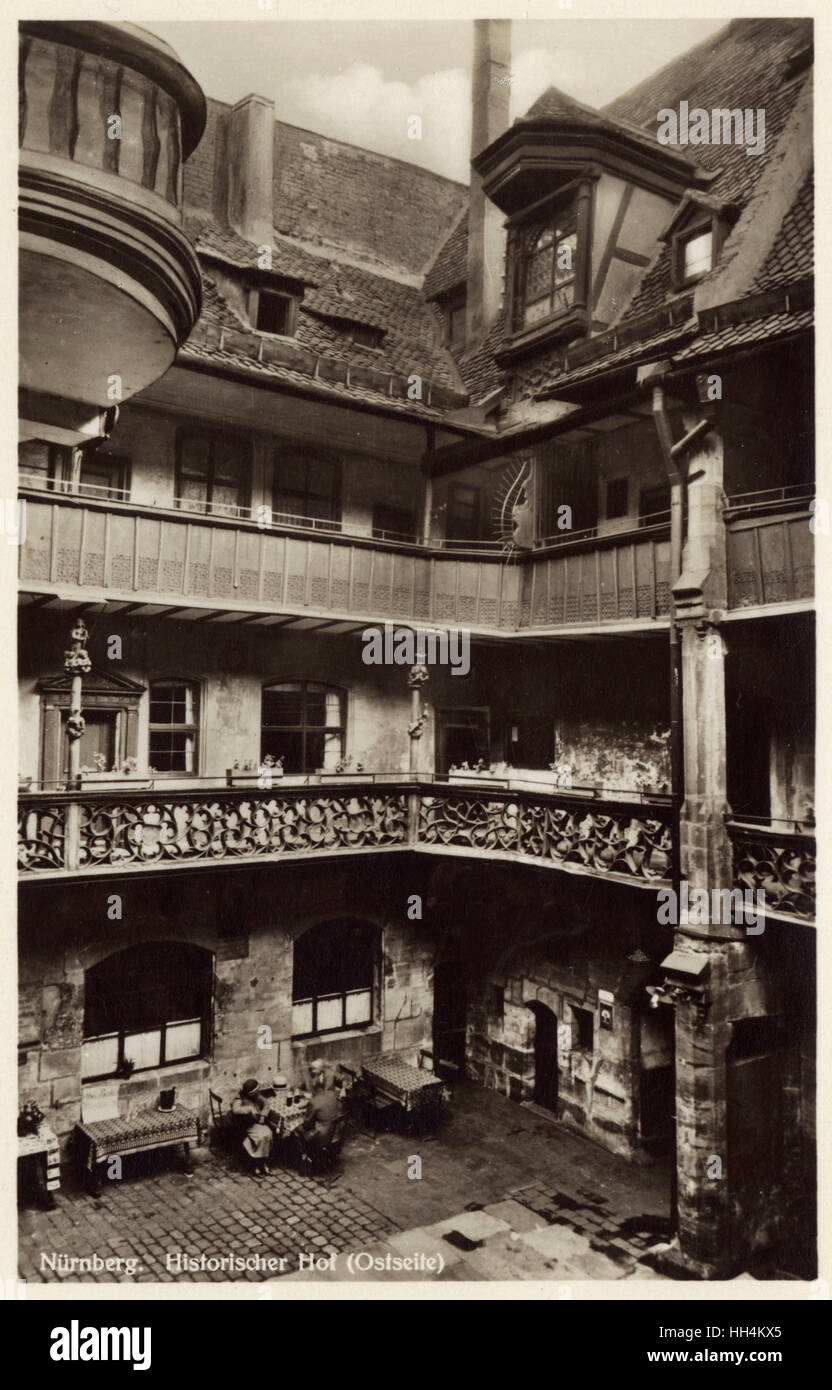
[673, 455]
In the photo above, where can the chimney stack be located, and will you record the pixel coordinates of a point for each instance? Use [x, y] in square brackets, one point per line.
[490, 87]
[251, 169]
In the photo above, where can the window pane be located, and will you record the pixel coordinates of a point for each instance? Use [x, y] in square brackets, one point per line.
[330, 1012]
[194, 458]
[283, 743]
[315, 743]
[698, 254]
[283, 706]
[359, 1007]
[315, 707]
[565, 263]
[144, 1049]
[171, 752]
[538, 275]
[302, 1017]
[99, 1056]
[183, 1039]
[535, 312]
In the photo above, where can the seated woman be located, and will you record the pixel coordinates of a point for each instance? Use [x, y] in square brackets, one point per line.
[250, 1107]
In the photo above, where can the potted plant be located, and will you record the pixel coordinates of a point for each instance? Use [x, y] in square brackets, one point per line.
[480, 771]
[341, 772]
[29, 1119]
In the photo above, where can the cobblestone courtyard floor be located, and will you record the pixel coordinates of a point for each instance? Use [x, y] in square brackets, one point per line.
[504, 1193]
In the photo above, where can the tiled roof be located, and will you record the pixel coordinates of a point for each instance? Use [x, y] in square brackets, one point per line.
[741, 334]
[450, 267]
[204, 347]
[791, 256]
[336, 297]
[629, 354]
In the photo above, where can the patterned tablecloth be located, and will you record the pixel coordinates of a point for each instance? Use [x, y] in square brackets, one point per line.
[291, 1115]
[130, 1134]
[44, 1142]
[404, 1083]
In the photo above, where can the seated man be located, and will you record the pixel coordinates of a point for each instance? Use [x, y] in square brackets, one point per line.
[251, 1108]
[322, 1111]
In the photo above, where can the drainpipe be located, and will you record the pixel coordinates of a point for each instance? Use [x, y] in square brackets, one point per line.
[673, 455]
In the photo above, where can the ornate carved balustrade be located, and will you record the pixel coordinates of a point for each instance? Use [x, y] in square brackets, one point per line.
[116, 830]
[778, 862]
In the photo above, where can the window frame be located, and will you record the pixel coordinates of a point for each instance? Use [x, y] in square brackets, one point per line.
[152, 727]
[315, 998]
[123, 1034]
[212, 437]
[309, 454]
[571, 205]
[304, 728]
[291, 301]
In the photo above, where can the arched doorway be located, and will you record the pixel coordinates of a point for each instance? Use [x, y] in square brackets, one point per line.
[545, 1057]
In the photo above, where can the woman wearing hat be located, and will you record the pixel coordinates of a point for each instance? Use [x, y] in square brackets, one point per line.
[257, 1144]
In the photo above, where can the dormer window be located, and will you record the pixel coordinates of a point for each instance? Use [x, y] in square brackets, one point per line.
[547, 272]
[271, 312]
[363, 335]
[696, 235]
[548, 259]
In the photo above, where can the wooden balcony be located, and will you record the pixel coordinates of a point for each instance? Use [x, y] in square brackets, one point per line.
[770, 548]
[120, 831]
[776, 858]
[102, 548]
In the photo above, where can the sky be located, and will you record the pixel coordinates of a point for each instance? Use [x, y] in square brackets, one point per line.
[361, 81]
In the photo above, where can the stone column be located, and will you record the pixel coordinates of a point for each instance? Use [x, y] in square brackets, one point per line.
[703, 1034]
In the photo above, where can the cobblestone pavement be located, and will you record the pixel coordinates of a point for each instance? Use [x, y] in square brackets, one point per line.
[504, 1192]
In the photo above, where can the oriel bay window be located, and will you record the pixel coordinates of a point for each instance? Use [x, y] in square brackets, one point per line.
[549, 268]
[333, 977]
[147, 1006]
[547, 271]
[303, 723]
[213, 473]
[174, 726]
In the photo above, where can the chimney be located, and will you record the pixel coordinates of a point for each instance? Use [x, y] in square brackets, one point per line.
[486, 234]
[251, 169]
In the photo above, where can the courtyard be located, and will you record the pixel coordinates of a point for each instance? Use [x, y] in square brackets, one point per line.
[500, 1191]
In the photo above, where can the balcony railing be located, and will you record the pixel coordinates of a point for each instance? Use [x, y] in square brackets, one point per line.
[98, 545]
[777, 858]
[116, 831]
[770, 547]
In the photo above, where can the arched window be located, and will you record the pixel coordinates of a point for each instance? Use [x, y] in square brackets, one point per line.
[333, 977]
[174, 725]
[303, 722]
[149, 1005]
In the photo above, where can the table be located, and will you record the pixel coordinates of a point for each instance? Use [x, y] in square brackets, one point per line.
[45, 1142]
[151, 1128]
[292, 1116]
[403, 1083]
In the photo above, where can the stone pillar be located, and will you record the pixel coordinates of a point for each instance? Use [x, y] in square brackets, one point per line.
[703, 1034]
[251, 169]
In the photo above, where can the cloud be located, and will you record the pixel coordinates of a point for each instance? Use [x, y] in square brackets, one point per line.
[362, 107]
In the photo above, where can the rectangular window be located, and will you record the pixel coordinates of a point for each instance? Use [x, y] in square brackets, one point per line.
[146, 1005]
[332, 978]
[618, 490]
[213, 474]
[654, 505]
[548, 271]
[104, 476]
[174, 726]
[40, 464]
[307, 490]
[697, 254]
[363, 335]
[303, 724]
[464, 519]
[275, 313]
[393, 523]
[582, 1029]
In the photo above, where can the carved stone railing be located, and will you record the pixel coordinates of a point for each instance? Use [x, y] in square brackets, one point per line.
[778, 862]
[619, 839]
[120, 830]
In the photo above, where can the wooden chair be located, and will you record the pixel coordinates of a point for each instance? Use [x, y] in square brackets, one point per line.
[322, 1158]
[223, 1127]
